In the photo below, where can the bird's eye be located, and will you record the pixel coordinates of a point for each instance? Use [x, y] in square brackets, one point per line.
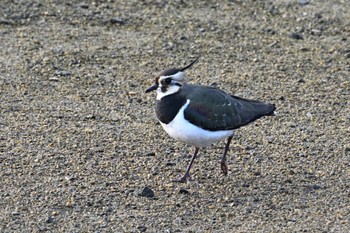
[167, 80]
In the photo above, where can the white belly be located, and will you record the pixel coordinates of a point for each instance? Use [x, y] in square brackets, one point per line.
[182, 130]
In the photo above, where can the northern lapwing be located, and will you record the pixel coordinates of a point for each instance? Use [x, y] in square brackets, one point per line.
[201, 115]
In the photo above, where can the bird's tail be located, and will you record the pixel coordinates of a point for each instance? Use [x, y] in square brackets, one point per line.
[257, 108]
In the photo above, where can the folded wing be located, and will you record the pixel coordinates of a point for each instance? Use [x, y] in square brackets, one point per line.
[213, 109]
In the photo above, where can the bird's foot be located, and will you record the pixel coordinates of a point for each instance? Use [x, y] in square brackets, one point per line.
[183, 179]
[224, 167]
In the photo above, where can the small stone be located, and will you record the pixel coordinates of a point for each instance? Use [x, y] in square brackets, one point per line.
[315, 32]
[303, 2]
[296, 36]
[90, 117]
[132, 93]
[84, 5]
[142, 228]
[53, 79]
[69, 178]
[150, 154]
[49, 219]
[184, 191]
[257, 173]
[147, 192]
[63, 72]
[270, 139]
[117, 21]
[170, 164]
[288, 181]
[15, 213]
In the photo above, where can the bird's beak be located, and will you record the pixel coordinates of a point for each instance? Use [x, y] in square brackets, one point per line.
[152, 88]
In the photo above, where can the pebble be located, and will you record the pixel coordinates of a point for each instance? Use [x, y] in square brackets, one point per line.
[170, 164]
[54, 79]
[117, 21]
[62, 72]
[315, 32]
[84, 5]
[303, 2]
[147, 192]
[184, 191]
[296, 36]
[150, 154]
[142, 228]
[15, 213]
[49, 220]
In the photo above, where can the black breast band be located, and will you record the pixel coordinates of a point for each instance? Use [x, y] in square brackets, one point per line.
[169, 106]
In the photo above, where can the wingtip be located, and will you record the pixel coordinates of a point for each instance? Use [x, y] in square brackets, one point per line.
[273, 111]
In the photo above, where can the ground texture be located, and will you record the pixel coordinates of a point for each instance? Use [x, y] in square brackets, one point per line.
[80, 146]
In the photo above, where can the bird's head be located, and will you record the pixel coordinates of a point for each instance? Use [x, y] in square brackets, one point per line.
[169, 81]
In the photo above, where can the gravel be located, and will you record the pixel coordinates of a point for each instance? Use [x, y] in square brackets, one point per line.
[80, 146]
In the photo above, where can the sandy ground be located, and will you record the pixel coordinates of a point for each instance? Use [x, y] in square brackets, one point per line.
[79, 140]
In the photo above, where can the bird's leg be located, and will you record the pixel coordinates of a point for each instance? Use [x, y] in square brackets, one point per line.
[187, 174]
[224, 168]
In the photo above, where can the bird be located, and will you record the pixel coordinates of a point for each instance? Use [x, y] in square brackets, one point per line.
[200, 115]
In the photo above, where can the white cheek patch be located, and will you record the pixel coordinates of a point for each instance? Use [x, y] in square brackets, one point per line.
[170, 90]
[173, 87]
[179, 76]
